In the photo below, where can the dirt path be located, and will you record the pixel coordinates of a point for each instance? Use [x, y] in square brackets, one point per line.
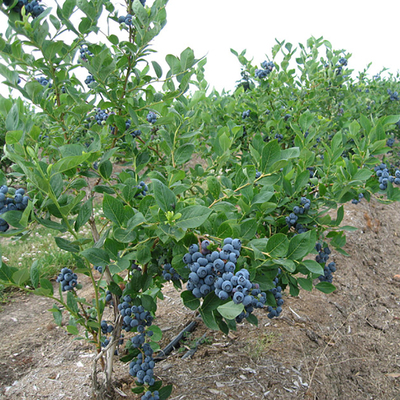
[339, 346]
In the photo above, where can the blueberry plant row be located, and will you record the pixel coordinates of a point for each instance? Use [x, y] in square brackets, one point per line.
[225, 195]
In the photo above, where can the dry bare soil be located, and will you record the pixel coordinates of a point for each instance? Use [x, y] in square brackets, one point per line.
[344, 345]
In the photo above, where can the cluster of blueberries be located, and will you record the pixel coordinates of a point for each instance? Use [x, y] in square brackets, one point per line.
[267, 68]
[382, 172]
[19, 202]
[246, 114]
[105, 328]
[394, 96]
[390, 142]
[134, 316]
[44, 81]
[215, 271]
[100, 269]
[322, 257]
[343, 63]
[127, 19]
[101, 116]
[84, 52]
[277, 292]
[304, 206]
[143, 189]
[33, 7]
[279, 136]
[151, 117]
[360, 197]
[151, 395]
[89, 80]
[169, 273]
[142, 368]
[68, 279]
[135, 133]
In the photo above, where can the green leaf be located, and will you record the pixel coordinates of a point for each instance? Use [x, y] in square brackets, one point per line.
[84, 214]
[34, 274]
[66, 245]
[301, 245]
[165, 392]
[230, 310]
[184, 153]
[57, 315]
[143, 254]
[313, 267]
[71, 303]
[248, 228]
[113, 209]
[193, 217]
[362, 174]
[148, 303]
[214, 187]
[13, 218]
[67, 163]
[157, 333]
[47, 285]
[209, 319]
[306, 284]
[305, 121]
[271, 153]
[278, 245]
[135, 221]
[325, 287]
[125, 235]
[189, 300]
[21, 276]
[157, 69]
[138, 389]
[6, 272]
[289, 265]
[105, 169]
[140, 12]
[13, 137]
[252, 319]
[210, 302]
[164, 196]
[339, 217]
[51, 224]
[96, 256]
[302, 180]
[73, 330]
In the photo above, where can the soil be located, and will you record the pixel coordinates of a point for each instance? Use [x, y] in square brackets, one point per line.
[344, 345]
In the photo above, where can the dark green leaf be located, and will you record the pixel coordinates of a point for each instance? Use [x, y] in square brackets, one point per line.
[165, 392]
[189, 300]
[21, 276]
[193, 217]
[34, 274]
[96, 257]
[84, 214]
[278, 245]
[164, 196]
[325, 287]
[71, 303]
[113, 209]
[66, 245]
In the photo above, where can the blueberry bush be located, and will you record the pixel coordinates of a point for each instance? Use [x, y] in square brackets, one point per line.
[237, 198]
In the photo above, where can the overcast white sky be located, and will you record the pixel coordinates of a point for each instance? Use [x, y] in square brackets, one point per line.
[368, 30]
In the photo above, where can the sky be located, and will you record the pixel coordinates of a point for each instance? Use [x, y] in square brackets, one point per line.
[367, 30]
